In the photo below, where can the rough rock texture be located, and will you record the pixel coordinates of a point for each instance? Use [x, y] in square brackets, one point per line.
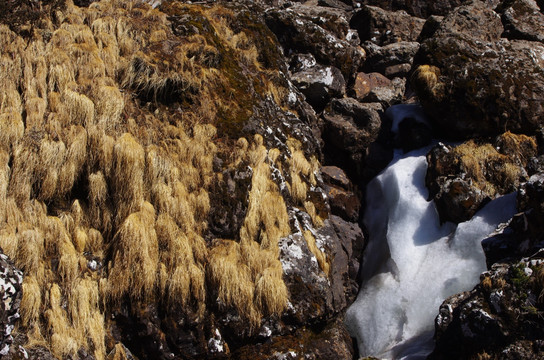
[11, 293]
[391, 60]
[522, 20]
[499, 319]
[462, 179]
[340, 191]
[474, 83]
[423, 8]
[349, 128]
[364, 83]
[524, 234]
[385, 27]
[319, 84]
[321, 31]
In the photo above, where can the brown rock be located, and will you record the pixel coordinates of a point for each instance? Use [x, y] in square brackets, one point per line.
[523, 20]
[364, 83]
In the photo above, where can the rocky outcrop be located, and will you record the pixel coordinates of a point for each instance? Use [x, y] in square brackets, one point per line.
[499, 319]
[340, 191]
[462, 179]
[321, 31]
[424, 9]
[473, 82]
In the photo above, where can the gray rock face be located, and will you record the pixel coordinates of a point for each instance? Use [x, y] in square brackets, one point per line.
[476, 83]
[321, 31]
[384, 27]
[11, 293]
[320, 84]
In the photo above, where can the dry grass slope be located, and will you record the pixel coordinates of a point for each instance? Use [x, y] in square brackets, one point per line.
[89, 169]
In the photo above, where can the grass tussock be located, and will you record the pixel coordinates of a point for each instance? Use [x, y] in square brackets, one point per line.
[320, 256]
[426, 82]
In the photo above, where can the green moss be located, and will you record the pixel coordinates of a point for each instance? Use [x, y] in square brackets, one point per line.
[518, 277]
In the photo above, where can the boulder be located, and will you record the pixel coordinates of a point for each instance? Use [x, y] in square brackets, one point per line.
[321, 31]
[320, 84]
[522, 20]
[499, 319]
[473, 83]
[392, 60]
[463, 178]
[387, 95]
[364, 83]
[349, 128]
[384, 27]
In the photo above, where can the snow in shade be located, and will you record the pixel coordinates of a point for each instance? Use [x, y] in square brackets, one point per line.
[412, 263]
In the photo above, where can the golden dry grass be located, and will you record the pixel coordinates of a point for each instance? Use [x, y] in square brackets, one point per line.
[88, 169]
[426, 81]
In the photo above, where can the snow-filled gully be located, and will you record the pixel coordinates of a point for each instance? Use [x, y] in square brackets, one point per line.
[412, 263]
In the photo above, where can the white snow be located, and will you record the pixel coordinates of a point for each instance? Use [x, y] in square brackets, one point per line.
[412, 263]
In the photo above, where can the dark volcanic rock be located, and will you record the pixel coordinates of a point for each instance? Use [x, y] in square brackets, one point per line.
[322, 31]
[524, 235]
[332, 343]
[11, 293]
[522, 20]
[474, 83]
[424, 8]
[349, 128]
[462, 179]
[385, 27]
[392, 60]
[499, 319]
[319, 84]
[387, 95]
[339, 189]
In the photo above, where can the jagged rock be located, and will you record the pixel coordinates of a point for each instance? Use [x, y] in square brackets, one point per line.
[522, 20]
[392, 60]
[324, 32]
[462, 179]
[384, 27]
[350, 127]
[499, 319]
[339, 189]
[364, 83]
[319, 84]
[474, 83]
[353, 242]
[11, 293]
